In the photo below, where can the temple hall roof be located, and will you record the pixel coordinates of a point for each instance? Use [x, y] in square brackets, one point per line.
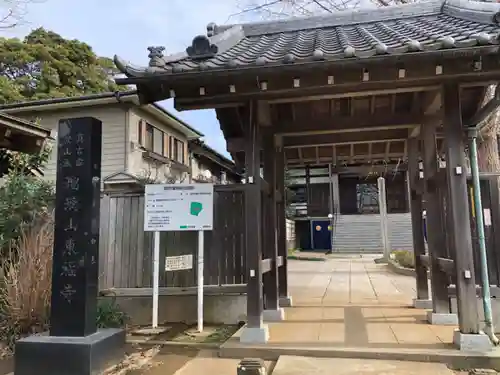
[420, 27]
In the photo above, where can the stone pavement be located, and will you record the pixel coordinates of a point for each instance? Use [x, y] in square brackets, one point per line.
[349, 301]
[341, 366]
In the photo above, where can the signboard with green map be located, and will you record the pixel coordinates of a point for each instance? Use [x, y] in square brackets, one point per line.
[178, 207]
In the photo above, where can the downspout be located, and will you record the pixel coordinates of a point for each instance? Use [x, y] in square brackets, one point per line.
[475, 126]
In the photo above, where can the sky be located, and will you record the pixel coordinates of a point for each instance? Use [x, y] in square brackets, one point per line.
[128, 27]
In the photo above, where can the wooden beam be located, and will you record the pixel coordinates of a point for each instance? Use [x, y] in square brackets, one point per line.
[211, 290]
[431, 101]
[281, 220]
[237, 144]
[345, 138]
[460, 229]
[253, 218]
[315, 82]
[271, 296]
[348, 159]
[425, 261]
[342, 124]
[435, 225]
[266, 265]
[264, 113]
[415, 132]
[416, 209]
[494, 290]
[447, 266]
[387, 149]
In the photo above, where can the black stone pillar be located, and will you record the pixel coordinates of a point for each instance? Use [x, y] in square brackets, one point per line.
[76, 232]
[74, 346]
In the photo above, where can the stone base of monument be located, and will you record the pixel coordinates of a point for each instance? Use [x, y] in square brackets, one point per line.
[58, 355]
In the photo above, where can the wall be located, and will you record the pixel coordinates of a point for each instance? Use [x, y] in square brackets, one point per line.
[144, 167]
[198, 169]
[113, 134]
[229, 308]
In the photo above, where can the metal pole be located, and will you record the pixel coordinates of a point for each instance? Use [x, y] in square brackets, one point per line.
[478, 207]
[156, 277]
[201, 250]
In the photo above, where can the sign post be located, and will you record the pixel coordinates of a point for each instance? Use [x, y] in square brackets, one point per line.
[156, 277]
[201, 250]
[178, 207]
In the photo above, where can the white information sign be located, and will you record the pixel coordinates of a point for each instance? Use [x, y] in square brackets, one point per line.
[180, 262]
[487, 217]
[178, 207]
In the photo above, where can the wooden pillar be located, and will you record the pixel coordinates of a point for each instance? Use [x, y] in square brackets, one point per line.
[416, 209]
[435, 226]
[270, 278]
[456, 172]
[284, 298]
[253, 206]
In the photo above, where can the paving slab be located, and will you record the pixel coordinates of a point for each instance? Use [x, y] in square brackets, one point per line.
[206, 362]
[288, 365]
[350, 307]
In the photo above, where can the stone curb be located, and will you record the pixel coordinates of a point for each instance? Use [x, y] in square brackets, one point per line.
[396, 268]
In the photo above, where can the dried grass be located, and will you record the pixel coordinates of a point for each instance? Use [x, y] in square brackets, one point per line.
[25, 283]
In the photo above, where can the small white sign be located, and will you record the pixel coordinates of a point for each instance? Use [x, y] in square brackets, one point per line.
[178, 207]
[487, 217]
[178, 263]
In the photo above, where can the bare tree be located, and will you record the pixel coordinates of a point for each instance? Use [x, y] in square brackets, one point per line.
[273, 9]
[13, 12]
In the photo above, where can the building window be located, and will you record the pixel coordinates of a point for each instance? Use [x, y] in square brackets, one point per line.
[157, 141]
[177, 150]
[151, 138]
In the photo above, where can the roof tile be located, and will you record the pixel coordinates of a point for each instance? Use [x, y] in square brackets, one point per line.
[425, 26]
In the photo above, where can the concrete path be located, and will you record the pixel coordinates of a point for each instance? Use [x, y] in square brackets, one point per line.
[349, 301]
[325, 366]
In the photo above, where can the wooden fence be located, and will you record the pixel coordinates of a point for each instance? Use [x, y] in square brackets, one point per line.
[125, 250]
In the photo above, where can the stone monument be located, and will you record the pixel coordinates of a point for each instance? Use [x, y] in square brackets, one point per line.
[74, 345]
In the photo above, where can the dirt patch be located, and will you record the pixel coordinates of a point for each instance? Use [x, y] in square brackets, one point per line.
[6, 365]
[183, 333]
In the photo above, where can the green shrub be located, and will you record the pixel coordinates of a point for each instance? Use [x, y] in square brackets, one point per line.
[24, 198]
[404, 258]
[109, 314]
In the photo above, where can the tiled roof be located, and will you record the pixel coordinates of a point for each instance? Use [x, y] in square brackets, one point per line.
[417, 27]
